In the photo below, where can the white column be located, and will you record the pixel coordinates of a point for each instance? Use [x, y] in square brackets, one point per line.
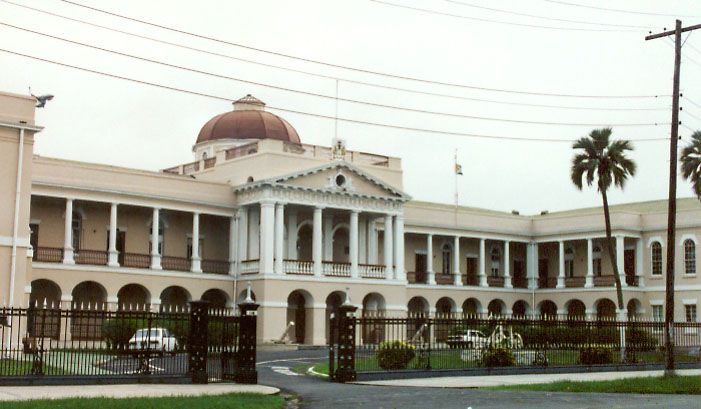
[242, 253]
[279, 236]
[532, 266]
[316, 241]
[327, 237]
[388, 248]
[68, 234]
[639, 271]
[482, 272]
[353, 243]
[233, 232]
[267, 232]
[507, 265]
[196, 260]
[113, 260]
[253, 234]
[430, 274]
[620, 251]
[589, 283]
[399, 268]
[561, 265]
[291, 234]
[363, 240]
[457, 280]
[372, 242]
[155, 254]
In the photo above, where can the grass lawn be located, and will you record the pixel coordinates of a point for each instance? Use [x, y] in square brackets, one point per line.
[671, 385]
[229, 401]
[12, 367]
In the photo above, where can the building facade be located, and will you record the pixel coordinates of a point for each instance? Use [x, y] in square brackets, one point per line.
[304, 224]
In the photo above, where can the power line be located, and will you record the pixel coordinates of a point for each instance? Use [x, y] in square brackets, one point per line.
[355, 69]
[566, 3]
[515, 13]
[346, 80]
[691, 101]
[509, 23]
[312, 94]
[292, 111]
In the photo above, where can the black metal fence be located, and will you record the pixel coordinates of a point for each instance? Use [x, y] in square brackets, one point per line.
[379, 345]
[94, 344]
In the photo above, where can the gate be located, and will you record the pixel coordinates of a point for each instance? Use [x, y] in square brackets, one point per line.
[342, 344]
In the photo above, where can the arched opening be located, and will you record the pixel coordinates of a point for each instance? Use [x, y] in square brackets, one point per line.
[174, 298]
[418, 306]
[689, 257]
[496, 308]
[88, 298]
[605, 309]
[299, 311]
[216, 298]
[520, 309]
[471, 306]
[635, 308]
[133, 297]
[304, 242]
[418, 312]
[45, 292]
[340, 244]
[333, 301]
[547, 309]
[444, 308]
[373, 306]
[576, 309]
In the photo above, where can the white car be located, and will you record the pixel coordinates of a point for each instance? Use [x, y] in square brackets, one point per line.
[469, 338]
[154, 339]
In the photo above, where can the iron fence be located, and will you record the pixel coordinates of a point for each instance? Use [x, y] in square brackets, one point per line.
[91, 343]
[380, 344]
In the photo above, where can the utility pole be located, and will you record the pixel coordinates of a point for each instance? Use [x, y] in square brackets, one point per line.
[672, 205]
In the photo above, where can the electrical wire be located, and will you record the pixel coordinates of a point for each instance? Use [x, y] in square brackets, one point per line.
[292, 111]
[566, 3]
[312, 94]
[355, 69]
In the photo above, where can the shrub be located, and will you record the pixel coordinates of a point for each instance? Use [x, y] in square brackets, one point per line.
[595, 356]
[395, 354]
[493, 357]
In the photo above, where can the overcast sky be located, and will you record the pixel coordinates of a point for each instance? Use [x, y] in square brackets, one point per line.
[104, 120]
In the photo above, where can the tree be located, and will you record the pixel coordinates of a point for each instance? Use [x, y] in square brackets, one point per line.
[691, 163]
[603, 161]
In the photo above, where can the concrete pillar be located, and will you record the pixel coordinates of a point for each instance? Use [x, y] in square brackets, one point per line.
[399, 268]
[431, 275]
[327, 237]
[456, 261]
[372, 242]
[254, 233]
[561, 265]
[279, 237]
[507, 265]
[589, 283]
[482, 266]
[316, 241]
[639, 271]
[362, 240]
[68, 234]
[67, 305]
[353, 243]
[532, 266]
[233, 232]
[292, 234]
[267, 232]
[155, 254]
[113, 257]
[388, 248]
[620, 251]
[196, 260]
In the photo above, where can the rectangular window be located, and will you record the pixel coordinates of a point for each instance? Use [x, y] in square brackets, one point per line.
[689, 257]
[690, 312]
[597, 267]
[657, 313]
[656, 259]
[569, 268]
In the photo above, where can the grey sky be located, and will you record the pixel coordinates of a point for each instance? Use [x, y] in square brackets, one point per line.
[103, 120]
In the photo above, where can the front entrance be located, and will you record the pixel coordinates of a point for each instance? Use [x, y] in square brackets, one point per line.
[471, 271]
[543, 273]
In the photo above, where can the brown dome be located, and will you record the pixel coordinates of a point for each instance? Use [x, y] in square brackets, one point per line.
[248, 121]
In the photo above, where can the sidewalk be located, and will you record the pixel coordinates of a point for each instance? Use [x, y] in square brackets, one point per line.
[499, 380]
[10, 393]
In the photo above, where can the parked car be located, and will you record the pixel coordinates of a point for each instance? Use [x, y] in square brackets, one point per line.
[468, 338]
[155, 339]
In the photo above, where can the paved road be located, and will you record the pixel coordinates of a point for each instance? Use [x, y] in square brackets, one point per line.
[317, 393]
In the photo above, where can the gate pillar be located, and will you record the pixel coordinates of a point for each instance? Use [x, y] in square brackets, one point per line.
[198, 342]
[246, 356]
[346, 322]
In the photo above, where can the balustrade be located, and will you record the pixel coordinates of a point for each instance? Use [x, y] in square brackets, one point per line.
[336, 269]
[301, 267]
[250, 266]
[175, 263]
[92, 257]
[135, 260]
[215, 266]
[48, 254]
[371, 270]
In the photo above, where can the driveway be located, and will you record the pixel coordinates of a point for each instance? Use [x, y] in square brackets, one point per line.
[274, 369]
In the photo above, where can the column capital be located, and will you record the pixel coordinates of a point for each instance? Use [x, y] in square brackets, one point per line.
[267, 203]
[319, 207]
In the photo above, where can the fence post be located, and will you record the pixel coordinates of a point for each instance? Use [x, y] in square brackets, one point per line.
[246, 356]
[346, 344]
[332, 344]
[197, 342]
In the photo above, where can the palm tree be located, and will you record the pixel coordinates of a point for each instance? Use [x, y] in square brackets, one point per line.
[691, 163]
[603, 161]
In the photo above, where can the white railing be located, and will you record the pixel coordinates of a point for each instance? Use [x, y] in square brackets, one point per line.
[250, 266]
[371, 271]
[298, 267]
[334, 269]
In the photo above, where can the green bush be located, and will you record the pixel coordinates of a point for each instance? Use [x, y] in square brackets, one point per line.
[494, 357]
[595, 356]
[395, 354]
